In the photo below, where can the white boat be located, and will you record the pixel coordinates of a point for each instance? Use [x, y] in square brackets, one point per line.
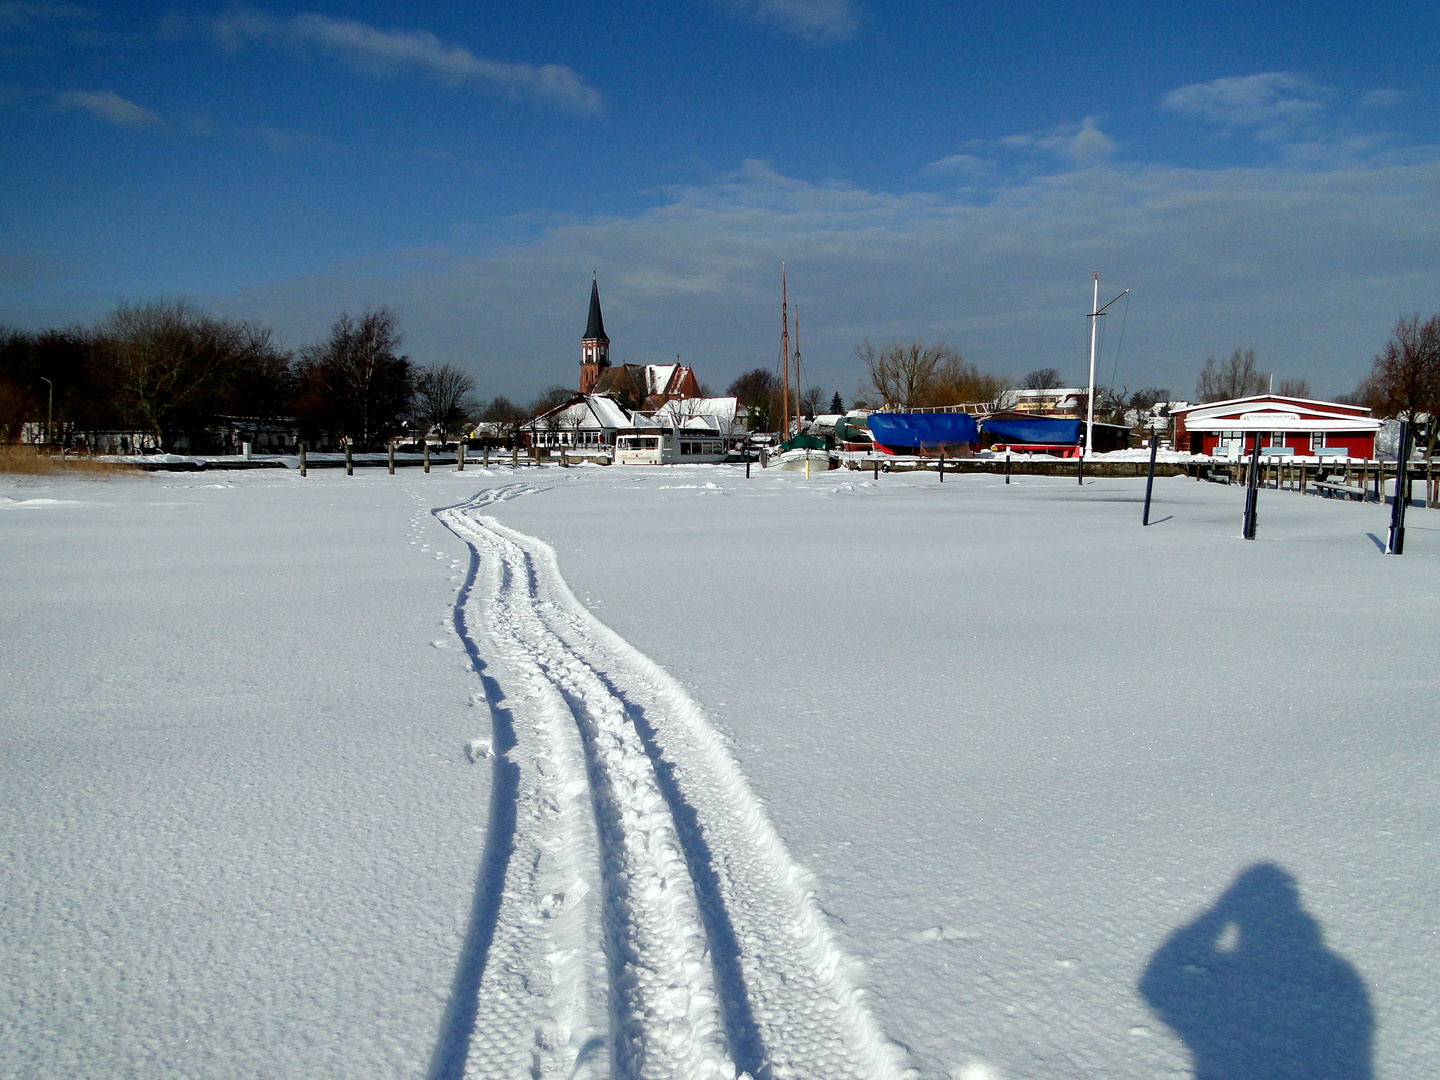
[807, 461]
[674, 447]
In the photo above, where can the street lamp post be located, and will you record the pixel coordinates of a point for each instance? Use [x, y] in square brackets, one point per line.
[49, 410]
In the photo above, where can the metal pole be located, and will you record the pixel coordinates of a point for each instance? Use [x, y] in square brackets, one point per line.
[1007, 466]
[49, 412]
[1080, 469]
[1252, 493]
[1395, 543]
[1090, 394]
[1150, 480]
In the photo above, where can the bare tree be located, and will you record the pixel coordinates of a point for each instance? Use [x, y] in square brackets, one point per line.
[444, 401]
[921, 376]
[810, 400]
[168, 358]
[356, 385]
[1406, 373]
[1404, 379]
[901, 374]
[1236, 378]
[1045, 378]
[1297, 388]
[759, 391]
[959, 382]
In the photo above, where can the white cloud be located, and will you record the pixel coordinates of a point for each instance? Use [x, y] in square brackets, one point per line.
[108, 106]
[1384, 98]
[1272, 102]
[1309, 267]
[959, 163]
[386, 52]
[809, 20]
[1082, 144]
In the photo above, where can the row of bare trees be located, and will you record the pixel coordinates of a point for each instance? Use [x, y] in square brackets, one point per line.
[171, 372]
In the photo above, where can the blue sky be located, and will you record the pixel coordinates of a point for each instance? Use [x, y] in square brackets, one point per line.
[1260, 175]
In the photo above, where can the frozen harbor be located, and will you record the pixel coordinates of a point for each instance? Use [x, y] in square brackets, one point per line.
[992, 748]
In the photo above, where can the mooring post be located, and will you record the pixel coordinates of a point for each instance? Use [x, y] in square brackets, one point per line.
[485, 452]
[349, 462]
[1252, 492]
[1007, 466]
[1080, 468]
[427, 455]
[460, 455]
[1395, 544]
[942, 468]
[390, 456]
[302, 459]
[875, 468]
[515, 456]
[1150, 480]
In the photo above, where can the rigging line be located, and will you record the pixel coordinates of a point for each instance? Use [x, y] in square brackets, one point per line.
[1124, 318]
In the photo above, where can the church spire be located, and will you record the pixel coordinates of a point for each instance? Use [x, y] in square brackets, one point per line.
[595, 328]
[594, 346]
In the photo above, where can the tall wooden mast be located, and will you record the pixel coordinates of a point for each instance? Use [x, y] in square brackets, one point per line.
[785, 354]
[798, 381]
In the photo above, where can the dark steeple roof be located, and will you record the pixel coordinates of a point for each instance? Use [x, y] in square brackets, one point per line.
[595, 328]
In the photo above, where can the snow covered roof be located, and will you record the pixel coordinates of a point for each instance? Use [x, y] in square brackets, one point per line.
[1271, 412]
[609, 413]
[717, 414]
[584, 414]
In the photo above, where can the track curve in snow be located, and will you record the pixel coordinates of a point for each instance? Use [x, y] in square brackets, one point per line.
[648, 921]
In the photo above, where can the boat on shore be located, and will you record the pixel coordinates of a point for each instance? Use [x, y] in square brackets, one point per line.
[951, 435]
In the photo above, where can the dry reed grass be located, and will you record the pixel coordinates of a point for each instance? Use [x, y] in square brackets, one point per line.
[29, 461]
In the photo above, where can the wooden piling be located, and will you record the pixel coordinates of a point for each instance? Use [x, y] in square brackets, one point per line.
[302, 459]
[460, 456]
[426, 455]
[349, 462]
[390, 456]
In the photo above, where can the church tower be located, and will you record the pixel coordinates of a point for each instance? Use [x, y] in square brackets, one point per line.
[594, 346]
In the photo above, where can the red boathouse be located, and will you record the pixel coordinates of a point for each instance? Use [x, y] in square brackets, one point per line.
[1284, 425]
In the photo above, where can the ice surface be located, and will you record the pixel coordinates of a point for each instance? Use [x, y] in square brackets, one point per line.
[1019, 741]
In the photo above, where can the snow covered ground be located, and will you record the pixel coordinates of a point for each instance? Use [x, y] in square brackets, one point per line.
[988, 750]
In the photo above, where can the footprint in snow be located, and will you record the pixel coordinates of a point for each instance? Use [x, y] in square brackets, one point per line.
[944, 933]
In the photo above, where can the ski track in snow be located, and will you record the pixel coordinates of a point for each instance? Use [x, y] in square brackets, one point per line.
[646, 918]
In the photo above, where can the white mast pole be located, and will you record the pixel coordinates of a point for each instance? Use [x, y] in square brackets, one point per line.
[1090, 395]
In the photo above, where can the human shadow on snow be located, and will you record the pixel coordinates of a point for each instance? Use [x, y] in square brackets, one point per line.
[1254, 993]
[453, 1042]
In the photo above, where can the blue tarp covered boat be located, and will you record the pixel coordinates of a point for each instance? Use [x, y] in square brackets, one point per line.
[923, 433]
[1034, 429]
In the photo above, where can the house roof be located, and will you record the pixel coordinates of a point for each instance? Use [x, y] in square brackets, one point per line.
[1273, 412]
[595, 326]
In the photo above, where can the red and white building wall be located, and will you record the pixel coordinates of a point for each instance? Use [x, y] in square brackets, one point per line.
[1302, 426]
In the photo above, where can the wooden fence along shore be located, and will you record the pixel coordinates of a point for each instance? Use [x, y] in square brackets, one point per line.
[1363, 480]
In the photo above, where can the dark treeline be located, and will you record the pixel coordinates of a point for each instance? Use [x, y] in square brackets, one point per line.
[166, 375]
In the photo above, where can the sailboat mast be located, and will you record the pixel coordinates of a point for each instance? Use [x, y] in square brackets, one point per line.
[798, 385]
[785, 353]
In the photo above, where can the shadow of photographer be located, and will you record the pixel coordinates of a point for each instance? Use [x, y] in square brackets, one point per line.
[1254, 993]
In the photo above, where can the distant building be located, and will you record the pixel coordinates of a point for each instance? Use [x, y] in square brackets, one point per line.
[1068, 403]
[587, 422]
[638, 386]
[1285, 425]
[594, 346]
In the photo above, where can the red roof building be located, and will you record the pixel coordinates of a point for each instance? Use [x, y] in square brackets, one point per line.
[1284, 425]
